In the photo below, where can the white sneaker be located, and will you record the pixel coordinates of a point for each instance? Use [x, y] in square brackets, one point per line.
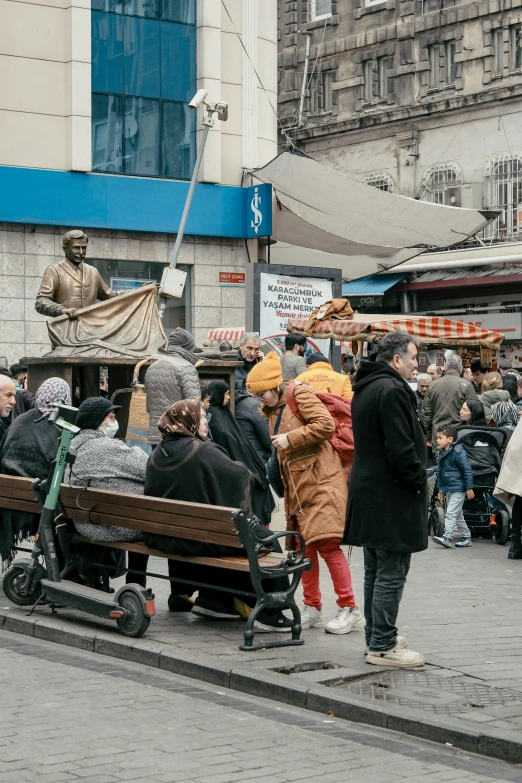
[399, 656]
[311, 618]
[346, 619]
[400, 640]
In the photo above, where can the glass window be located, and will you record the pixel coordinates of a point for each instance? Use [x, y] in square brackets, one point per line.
[435, 66]
[380, 181]
[321, 9]
[107, 53]
[141, 66]
[178, 140]
[112, 6]
[141, 136]
[107, 133]
[385, 63]
[504, 192]
[178, 62]
[149, 9]
[183, 11]
[438, 180]
[516, 47]
[451, 65]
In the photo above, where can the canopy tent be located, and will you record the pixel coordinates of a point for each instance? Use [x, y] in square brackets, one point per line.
[429, 330]
[321, 209]
[226, 334]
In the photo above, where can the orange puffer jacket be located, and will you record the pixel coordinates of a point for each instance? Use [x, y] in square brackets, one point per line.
[322, 378]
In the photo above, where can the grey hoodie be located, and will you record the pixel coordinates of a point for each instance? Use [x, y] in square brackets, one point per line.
[489, 398]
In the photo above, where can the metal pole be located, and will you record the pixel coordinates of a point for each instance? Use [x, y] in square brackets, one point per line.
[190, 194]
[305, 76]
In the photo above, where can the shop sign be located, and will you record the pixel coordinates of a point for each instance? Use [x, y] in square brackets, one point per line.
[236, 279]
[259, 211]
[508, 324]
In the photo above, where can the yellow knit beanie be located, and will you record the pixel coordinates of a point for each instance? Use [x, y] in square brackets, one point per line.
[266, 375]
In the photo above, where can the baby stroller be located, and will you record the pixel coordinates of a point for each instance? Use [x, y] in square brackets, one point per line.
[484, 515]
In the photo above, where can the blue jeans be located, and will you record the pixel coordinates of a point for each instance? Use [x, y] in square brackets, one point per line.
[384, 579]
[455, 516]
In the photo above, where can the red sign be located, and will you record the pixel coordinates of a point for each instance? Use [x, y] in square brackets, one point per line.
[232, 278]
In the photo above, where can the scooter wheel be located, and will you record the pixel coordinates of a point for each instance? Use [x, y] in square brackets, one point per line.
[136, 622]
[12, 585]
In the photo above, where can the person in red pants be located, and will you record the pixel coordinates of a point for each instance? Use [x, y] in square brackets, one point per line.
[315, 490]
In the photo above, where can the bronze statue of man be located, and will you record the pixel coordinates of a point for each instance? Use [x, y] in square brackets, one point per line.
[71, 284]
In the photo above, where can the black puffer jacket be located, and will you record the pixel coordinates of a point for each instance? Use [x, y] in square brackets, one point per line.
[387, 494]
[253, 424]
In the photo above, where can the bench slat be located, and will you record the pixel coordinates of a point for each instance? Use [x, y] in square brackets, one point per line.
[124, 500]
[20, 505]
[231, 563]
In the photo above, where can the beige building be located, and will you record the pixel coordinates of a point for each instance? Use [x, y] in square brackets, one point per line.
[97, 134]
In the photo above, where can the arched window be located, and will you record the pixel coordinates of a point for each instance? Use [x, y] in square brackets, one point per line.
[380, 181]
[503, 191]
[439, 179]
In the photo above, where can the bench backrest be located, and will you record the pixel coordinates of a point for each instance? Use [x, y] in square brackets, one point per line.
[193, 521]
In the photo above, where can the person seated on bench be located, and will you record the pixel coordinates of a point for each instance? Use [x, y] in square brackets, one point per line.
[105, 463]
[186, 466]
[227, 433]
[28, 448]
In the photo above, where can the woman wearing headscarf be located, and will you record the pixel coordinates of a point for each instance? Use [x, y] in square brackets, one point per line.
[188, 467]
[505, 414]
[29, 447]
[105, 463]
[227, 433]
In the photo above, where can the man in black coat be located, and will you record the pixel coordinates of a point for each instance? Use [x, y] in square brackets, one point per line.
[387, 498]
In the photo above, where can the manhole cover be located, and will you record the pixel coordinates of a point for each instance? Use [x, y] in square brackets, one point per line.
[425, 690]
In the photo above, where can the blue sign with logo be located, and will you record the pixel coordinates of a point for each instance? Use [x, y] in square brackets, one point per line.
[259, 211]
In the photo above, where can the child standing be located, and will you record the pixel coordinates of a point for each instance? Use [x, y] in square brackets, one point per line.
[456, 482]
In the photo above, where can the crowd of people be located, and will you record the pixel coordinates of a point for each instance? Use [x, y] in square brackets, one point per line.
[282, 432]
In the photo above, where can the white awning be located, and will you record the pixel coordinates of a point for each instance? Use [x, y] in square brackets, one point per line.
[321, 209]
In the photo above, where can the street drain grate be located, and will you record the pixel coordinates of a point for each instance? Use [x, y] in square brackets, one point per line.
[425, 690]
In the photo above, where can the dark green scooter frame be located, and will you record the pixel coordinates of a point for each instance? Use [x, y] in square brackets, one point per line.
[28, 582]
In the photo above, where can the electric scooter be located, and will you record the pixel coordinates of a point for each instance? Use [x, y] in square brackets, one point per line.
[28, 582]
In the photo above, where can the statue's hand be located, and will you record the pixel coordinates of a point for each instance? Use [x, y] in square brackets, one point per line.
[71, 313]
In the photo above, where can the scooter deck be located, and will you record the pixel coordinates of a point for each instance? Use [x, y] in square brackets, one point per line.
[81, 597]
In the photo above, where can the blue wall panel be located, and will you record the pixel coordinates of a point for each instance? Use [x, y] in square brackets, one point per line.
[65, 198]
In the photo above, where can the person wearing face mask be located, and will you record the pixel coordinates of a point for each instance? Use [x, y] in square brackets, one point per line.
[105, 463]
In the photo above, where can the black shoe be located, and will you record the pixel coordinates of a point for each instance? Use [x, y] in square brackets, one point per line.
[215, 609]
[179, 604]
[277, 623]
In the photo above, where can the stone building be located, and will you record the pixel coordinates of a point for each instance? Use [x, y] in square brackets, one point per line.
[417, 97]
[97, 134]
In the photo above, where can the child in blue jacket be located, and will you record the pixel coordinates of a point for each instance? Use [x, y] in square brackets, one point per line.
[456, 482]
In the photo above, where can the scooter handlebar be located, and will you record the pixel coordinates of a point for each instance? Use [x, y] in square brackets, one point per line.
[55, 412]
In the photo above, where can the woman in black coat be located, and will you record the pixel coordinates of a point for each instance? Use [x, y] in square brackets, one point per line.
[186, 466]
[227, 433]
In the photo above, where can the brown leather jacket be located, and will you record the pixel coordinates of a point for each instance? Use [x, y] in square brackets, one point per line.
[315, 487]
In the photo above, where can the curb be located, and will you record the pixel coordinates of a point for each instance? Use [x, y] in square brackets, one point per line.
[503, 745]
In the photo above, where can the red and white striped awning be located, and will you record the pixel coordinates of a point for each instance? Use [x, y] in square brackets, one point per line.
[226, 334]
[429, 330]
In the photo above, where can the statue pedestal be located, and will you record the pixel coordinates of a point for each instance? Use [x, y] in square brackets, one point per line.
[83, 376]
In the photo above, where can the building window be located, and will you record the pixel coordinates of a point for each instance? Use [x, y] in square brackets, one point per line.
[381, 181]
[321, 9]
[443, 68]
[321, 92]
[439, 181]
[516, 47]
[385, 63]
[143, 75]
[498, 51]
[368, 80]
[503, 178]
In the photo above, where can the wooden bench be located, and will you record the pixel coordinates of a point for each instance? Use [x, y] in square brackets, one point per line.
[192, 521]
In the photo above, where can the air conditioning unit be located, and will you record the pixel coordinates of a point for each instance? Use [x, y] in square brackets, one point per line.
[452, 197]
[469, 196]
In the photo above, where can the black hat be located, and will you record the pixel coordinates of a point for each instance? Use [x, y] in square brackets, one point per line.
[316, 357]
[93, 411]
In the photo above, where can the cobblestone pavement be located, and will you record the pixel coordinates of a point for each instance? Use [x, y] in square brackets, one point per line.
[461, 608]
[74, 716]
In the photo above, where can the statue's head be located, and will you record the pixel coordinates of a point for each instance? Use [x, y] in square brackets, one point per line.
[74, 245]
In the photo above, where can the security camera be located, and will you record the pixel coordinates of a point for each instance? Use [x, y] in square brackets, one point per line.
[198, 99]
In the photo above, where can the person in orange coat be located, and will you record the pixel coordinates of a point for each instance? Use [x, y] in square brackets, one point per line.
[315, 490]
[322, 377]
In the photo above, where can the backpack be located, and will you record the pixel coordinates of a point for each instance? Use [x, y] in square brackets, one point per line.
[340, 409]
